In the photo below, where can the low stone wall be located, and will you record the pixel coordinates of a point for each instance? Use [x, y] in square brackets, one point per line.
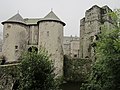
[8, 76]
[76, 70]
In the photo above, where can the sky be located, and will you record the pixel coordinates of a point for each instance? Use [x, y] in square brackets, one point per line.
[69, 11]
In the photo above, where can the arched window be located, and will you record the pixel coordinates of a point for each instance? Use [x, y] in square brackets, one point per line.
[32, 49]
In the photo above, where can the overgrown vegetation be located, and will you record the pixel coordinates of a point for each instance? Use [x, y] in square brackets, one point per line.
[37, 72]
[34, 72]
[105, 73]
[76, 70]
[8, 76]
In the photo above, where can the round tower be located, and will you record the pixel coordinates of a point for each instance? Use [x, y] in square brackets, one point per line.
[51, 38]
[13, 37]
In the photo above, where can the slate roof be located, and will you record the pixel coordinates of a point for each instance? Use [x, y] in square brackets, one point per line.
[52, 17]
[16, 18]
[33, 21]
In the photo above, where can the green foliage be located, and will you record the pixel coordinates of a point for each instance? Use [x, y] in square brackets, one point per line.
[105, 73]
[8, 76]
[37, 72]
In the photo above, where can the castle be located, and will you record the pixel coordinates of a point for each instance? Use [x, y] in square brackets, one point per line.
[90, 27]
[24, 34]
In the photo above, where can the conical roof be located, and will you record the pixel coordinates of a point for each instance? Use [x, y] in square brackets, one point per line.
[52, 17]
[16, 18]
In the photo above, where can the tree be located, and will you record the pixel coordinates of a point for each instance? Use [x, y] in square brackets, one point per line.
[105, 74]
[37, 72]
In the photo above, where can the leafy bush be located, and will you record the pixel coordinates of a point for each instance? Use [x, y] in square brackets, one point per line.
[105, 73]
[37, 72]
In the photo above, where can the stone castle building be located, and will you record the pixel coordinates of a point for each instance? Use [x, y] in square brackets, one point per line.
[90, 27]
[71, 46]
[23, 34]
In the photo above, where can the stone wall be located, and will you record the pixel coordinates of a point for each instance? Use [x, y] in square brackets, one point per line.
[90, 27]
[76, 70]
[14, 40]
[51, 38]
[8, 76]
[71, 46]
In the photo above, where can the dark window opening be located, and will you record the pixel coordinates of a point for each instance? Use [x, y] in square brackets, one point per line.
[8, 26]
[6, 35]
[33, 49]
[91, 38]
[89, 48]
[28, 42]
[3, 60]
[30, 49]
[47, 33]
[16, 47]
[75, 55]
[97, 38]
[86, 57]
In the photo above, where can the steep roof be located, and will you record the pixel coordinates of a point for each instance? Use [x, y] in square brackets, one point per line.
[16, 18]
[52, 17]
[33, 21]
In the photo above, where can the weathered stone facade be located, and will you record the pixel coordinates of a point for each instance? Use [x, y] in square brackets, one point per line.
[71, 46]
[90, 27]
[22, 34]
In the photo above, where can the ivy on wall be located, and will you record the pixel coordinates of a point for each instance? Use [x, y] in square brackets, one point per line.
[76, 70]
[8, 76]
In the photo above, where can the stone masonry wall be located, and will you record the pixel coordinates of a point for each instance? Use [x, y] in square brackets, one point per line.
[14, 40]
[51, 38]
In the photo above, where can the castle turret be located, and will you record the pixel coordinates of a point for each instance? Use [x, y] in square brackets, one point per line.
[51, 38]
[13, 37]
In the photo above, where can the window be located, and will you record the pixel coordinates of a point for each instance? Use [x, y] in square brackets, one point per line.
[6, 35]
[86, 57]
[75, 55]
[91, 38]
[89, 48]
[47, 33]
[97, 38]
[35, 49]
[16, 47]
[8, 26]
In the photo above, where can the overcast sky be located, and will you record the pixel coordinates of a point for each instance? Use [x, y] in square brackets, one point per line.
[69, 11]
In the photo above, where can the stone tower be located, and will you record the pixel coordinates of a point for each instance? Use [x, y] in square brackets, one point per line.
[14, 37]
[90, 27]
[23, 34]
[51, 38]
